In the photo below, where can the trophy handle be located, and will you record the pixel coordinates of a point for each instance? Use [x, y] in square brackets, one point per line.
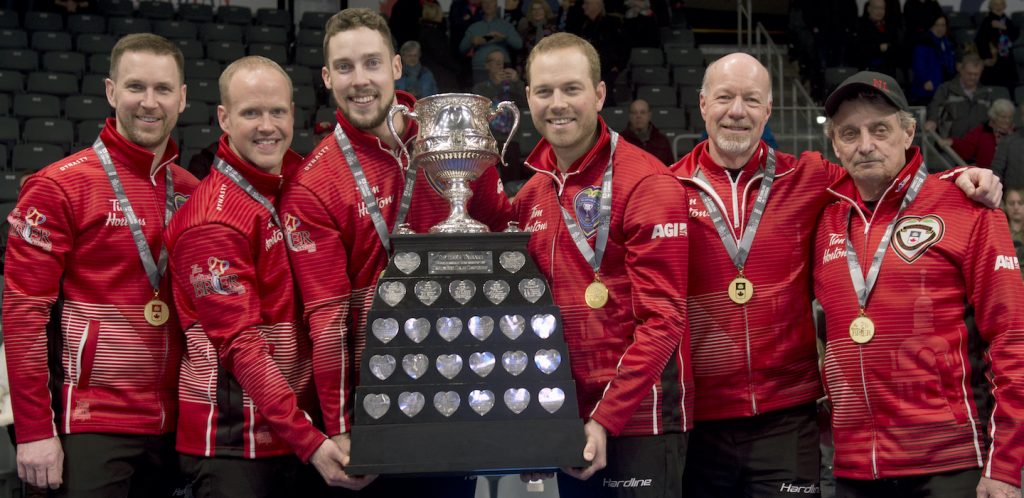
[404, 111]
[508, 104]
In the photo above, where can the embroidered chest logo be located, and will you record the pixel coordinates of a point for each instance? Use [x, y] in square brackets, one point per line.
[117, 217]
[913, 235]
[536, 221]
[28, 228]
[586, 203]
[299, 240]
[836, 249]
[216, 279]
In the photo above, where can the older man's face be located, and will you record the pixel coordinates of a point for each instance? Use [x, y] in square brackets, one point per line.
[639, 115]
[870, 143]
[970, 75]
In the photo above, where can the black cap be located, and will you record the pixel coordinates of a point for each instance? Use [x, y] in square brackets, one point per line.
[870, 81]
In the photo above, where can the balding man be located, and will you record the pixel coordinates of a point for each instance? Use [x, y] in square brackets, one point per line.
[749, 303]
[642, 133]
[246, 380]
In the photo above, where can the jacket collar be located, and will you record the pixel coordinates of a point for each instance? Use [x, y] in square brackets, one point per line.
[133, 156]
[700, 160]
[365, 138]
[846, 189]
[266, 183]
[543, 160]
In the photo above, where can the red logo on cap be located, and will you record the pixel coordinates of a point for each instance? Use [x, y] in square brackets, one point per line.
[881, 85]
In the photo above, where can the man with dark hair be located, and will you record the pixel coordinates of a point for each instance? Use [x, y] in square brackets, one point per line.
[960, 103]
[899, 258]
[248, 363]
[89, 232]
[339, 210]
[642, 133]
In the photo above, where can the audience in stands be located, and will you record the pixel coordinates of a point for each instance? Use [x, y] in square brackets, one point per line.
[490, 34]
[1008, 163]
[416, 79]
[404, 20]
[504, 84]
[462, 14]
[961, 103]
[570, 15]
[934, 61]
[918, 16]
[512, 12]
[436, 48]
[604, 32]
[994, 41]
[538, 22]
[640, 27]
[978, 146]
[878, 40]
[1013, 206]
[642, 133]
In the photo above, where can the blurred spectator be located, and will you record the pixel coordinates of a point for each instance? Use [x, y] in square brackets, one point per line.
[934, 61]
[436, 49]
[538, 22]
[960, 104]
[404, 20]
[918, 16]
[512, 12]
[642, 133]
[605, 34]
[503, 83]
[994, 40]
[462, 14]
[1008, 163]
[1013, 206]
[416, 78]
[878, 40]
[978, 146]
[487, 35]
[570, 16]
[640, 27]
[201, 162]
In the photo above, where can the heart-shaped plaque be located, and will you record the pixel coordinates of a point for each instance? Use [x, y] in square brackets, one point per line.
[481, 327]
[514, 361]
[547, 360]
[385, 329]
[481, 363]
[543, 325]
[512, 326]
[517, 399]
[382, 366]
[462, 290]
[449, 327]
[449, 365]
[481, 401]
[512, 261]
[408, 262]
[496, 290]
[551, 399]
[532, 289]
[415, 365]
[447, 402]
[392, 292]
[376, 404]
[411, 403]
[427, 291]
[416, 329]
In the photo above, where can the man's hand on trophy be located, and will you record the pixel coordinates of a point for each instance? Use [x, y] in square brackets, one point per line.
[330, 460]
[594, 451]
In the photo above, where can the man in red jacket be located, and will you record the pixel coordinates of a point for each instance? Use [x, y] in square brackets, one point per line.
[899, 257]
[340, 239]
[749, 302]
[88, 230]
[246, 378]
[613, 251]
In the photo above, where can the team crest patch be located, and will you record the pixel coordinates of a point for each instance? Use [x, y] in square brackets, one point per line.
[588, 210]
[179, 200]
[216, 279]
[29, 227]
[298, 240]
[913, 235]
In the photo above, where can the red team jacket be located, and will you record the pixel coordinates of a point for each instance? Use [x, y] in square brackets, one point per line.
[337, 256]
[246, 375]
[630, 359]
[120, 372]
[902, 403]
[759, 356]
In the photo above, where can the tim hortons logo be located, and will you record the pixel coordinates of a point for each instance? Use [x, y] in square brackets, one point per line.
[913, 235]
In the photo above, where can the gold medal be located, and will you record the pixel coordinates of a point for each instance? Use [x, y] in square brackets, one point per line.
[157, 312]
[741, 289]
[596, 295]
[862, 329]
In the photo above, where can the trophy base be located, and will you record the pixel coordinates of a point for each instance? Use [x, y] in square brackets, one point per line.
[509, 446]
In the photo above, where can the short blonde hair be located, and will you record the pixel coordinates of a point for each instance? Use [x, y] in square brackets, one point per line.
[146, 42]
[250, 62]
[559, 41]
[353, 18]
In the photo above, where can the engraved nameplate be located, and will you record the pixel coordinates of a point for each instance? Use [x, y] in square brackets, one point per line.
[459, 262]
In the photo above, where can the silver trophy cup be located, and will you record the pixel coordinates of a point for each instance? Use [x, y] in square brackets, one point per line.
[455, 146]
